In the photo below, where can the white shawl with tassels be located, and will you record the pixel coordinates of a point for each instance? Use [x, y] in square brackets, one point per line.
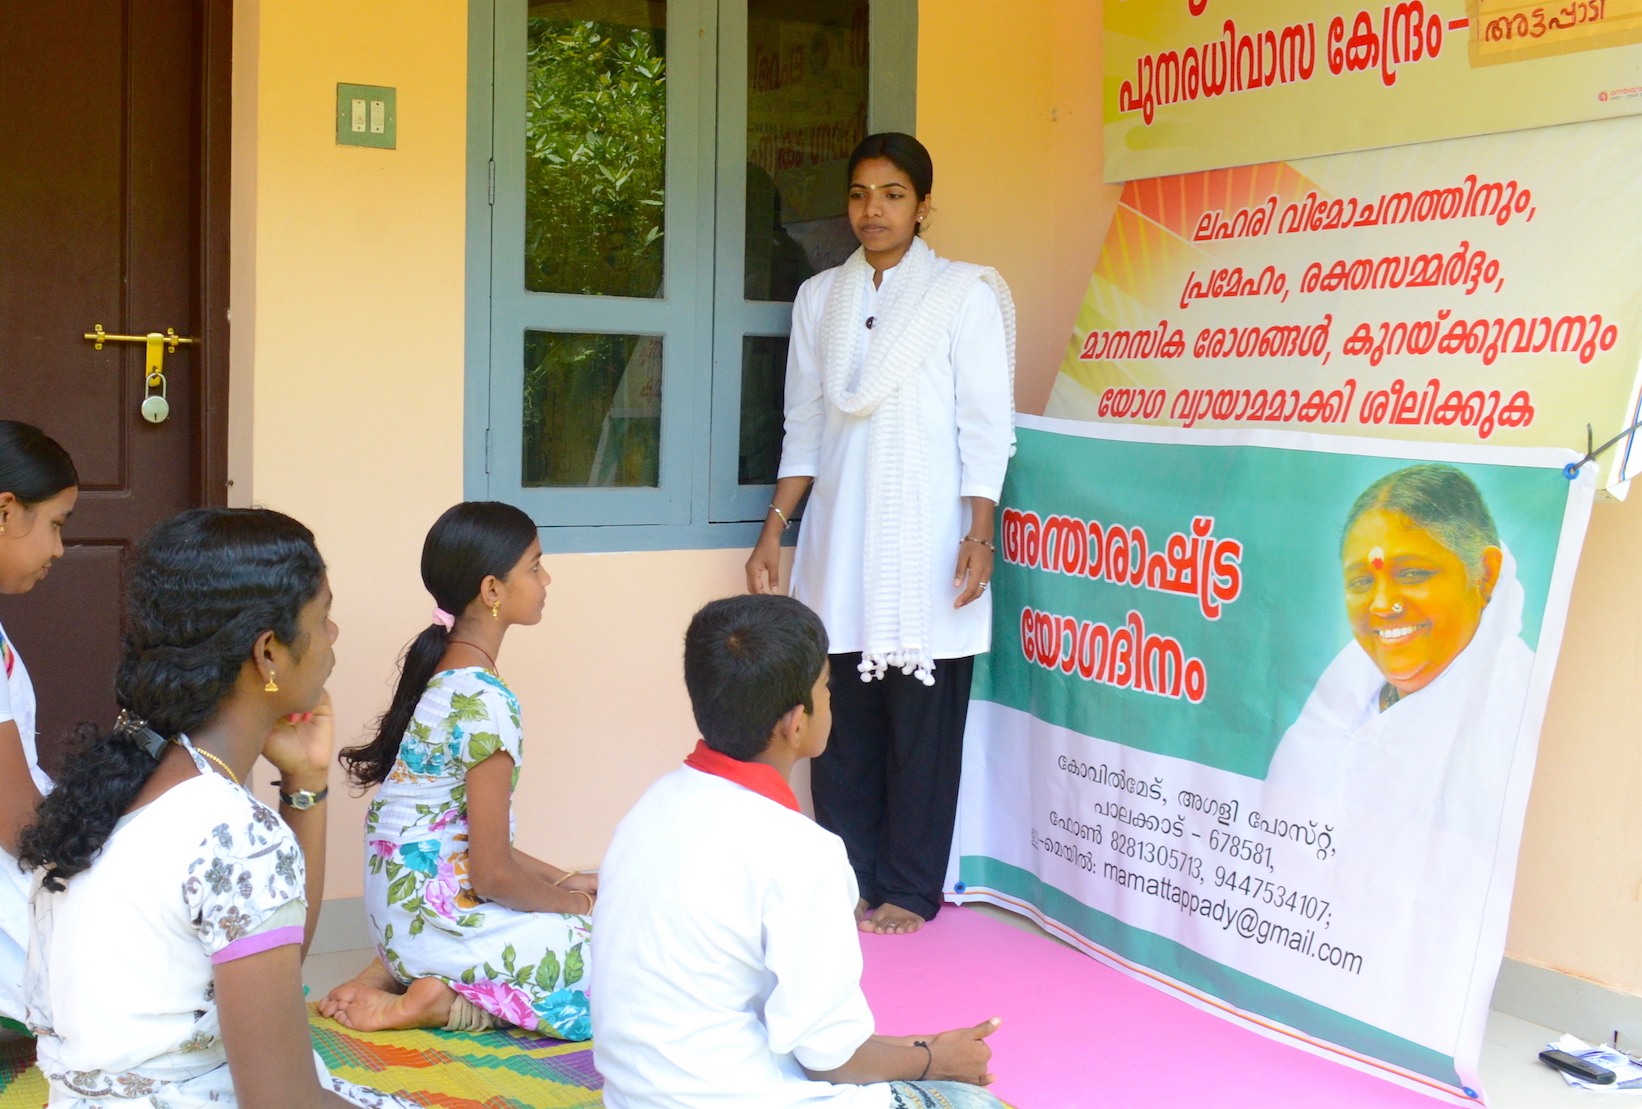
[915, 315]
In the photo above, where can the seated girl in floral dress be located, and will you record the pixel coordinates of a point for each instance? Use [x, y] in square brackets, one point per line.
[470, 931]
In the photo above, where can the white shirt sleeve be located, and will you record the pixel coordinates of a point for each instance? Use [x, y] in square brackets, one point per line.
[806, 406]
[816, 1010]
[980, 372]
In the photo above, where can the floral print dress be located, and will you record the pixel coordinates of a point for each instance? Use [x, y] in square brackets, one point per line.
[528, 969]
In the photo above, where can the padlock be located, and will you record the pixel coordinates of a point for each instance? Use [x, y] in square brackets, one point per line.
[155, 409]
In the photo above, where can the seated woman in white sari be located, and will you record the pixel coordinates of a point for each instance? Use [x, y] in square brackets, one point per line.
[1420, 712]
[170, 920]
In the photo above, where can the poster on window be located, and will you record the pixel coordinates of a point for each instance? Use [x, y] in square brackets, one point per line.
[1204, 84]
[1477, 291]
[1259, 720]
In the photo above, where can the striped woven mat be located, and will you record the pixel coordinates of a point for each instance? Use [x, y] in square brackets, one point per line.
[511, 1069]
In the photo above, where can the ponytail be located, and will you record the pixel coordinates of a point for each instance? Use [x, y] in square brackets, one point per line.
[472, 541]
[204, 587]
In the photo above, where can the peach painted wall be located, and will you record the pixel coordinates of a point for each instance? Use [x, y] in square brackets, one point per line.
[347, 393]
[1009, 106]
[348, 374]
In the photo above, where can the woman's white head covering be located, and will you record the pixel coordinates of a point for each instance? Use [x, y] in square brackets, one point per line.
[1442, 755]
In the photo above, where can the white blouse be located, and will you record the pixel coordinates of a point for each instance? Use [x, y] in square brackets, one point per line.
[16, 705]
[968, 411]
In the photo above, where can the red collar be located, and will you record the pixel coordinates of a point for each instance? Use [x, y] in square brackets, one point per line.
[761, 778]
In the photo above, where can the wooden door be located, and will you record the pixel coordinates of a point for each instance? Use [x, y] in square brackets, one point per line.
[114, 129]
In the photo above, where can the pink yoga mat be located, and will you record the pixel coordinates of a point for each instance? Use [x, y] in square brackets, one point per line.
[1078, 1035]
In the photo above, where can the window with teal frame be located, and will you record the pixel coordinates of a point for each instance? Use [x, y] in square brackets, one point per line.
[649, 182]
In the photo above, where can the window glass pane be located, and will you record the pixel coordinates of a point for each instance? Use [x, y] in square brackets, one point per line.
[806, 110]
[595, 146]
[592, 409]
[763, 384]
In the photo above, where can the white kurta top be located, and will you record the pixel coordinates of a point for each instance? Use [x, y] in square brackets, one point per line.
[728, 957]
[16, 705]
[967, 406]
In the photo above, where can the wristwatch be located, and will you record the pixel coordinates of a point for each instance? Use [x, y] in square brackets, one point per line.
[303, 799]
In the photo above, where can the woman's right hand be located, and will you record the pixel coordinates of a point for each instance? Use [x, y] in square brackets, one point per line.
[962, 1054]
[764, 566]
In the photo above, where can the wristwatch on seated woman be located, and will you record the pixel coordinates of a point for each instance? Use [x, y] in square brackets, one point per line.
[303, 799]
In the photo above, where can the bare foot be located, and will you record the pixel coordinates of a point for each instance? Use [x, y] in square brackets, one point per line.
[374, 977]
[892, 920]
[862, 909]
[425, 1004]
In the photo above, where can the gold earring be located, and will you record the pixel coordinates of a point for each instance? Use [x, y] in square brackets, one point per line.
[272, 686]
[496, 611]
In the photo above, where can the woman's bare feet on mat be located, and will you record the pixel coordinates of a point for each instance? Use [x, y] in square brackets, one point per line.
[374, 977]
[425, 1004]
[862, 911]
[891, 920]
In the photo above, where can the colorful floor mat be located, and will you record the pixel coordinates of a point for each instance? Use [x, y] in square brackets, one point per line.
[442, 1070]
[21, 1085]
[511, 1069]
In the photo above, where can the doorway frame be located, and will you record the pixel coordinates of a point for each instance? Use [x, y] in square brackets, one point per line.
[215, 136]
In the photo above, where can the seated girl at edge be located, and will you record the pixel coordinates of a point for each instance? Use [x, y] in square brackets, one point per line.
[170, 922]
[470, 931]
[38, 487]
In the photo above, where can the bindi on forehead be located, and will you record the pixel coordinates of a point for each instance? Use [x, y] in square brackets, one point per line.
[887, 185]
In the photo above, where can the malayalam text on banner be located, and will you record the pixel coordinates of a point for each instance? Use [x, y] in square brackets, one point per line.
[1204, 84]
[1479, 290]
[1260, 716]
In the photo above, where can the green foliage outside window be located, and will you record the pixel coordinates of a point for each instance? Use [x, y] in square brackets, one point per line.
[596, 146]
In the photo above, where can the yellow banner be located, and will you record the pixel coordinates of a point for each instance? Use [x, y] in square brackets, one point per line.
[1204, 84]
[1478, 290]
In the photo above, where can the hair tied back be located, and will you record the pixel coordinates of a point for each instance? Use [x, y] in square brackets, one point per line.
[136, 730]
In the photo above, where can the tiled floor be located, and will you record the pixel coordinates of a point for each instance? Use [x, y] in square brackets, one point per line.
[1514, 1076]
[322, 973]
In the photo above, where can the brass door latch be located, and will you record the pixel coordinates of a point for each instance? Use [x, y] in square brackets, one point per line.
[156, 406]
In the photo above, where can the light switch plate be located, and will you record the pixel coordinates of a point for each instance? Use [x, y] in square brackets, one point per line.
[365, 116]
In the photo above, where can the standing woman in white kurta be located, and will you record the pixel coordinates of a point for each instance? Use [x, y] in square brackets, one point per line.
[899, 410]
[38, 486]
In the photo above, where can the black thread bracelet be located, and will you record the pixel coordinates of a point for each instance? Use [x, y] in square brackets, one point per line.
[929, 1063]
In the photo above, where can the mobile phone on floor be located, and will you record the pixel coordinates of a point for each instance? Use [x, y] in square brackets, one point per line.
[1579, 1068]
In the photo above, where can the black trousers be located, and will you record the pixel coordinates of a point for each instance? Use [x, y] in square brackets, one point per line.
[888, 782]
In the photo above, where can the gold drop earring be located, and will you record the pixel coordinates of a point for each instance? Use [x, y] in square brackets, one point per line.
[496, 610]
[272, 686]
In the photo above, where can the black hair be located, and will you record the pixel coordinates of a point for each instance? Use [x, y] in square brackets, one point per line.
[33, 466]
[909, 155]
[204, 586]
[1440, 499]
[472, 541]
[748, 661]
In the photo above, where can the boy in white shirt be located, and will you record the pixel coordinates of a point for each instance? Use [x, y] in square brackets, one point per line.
[729, 965]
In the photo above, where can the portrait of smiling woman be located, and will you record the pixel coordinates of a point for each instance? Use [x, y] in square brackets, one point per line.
[1421, 709]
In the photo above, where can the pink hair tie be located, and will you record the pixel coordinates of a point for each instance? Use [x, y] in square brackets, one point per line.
[443, 618]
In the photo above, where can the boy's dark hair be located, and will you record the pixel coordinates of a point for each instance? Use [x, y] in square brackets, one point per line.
[748, 661]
